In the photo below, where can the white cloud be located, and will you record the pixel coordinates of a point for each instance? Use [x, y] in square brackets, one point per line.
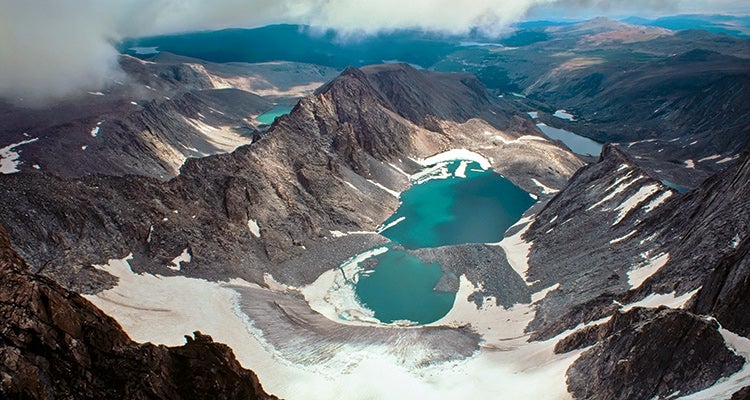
[50, 47]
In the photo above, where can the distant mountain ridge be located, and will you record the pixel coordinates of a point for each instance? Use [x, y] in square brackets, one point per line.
[726, 24]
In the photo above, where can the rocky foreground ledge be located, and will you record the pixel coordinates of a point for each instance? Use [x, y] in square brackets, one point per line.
[55, 344]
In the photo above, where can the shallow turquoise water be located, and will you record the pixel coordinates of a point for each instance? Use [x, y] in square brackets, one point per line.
[269, 116]
[476, 209]
[401, 288]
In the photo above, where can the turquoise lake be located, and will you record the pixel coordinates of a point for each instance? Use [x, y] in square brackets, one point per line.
[269, 116]
[468, 205]
[476, 209]
[401, 288]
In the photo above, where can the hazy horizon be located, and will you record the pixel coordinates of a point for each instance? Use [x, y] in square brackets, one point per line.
[55, 48]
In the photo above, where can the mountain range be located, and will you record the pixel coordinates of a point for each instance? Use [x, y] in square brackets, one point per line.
[637, 288]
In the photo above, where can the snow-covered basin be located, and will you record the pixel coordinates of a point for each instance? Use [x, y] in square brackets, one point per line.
[161, 309]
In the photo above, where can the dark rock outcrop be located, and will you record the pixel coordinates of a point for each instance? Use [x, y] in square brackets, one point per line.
[648, 353]
[55, 344]
[742, 394]
[724, 293]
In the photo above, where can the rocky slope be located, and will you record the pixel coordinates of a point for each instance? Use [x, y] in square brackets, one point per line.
[55, 344]
[615, 240]
[154, 117]
[650, 353]
[644, 238]
[269, 206]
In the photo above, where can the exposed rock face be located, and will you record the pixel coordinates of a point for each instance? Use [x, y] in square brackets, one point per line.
[695, 231]
[724, 293]
[742, 394]
[55, 344]
[648, 353]
[701, 239]
[603, 202]
[483, 264]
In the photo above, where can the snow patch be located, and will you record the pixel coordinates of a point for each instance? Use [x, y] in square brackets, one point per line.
[533, 114]
[456, 154]
[461, 170]
[727, 159]
[690, 164]
[254, 228]
[531, 137]
[337, 234]
[95, 130]
[655, 300]
[562, 114]
[637, 276]
[351, 186]
[538, 296]
[516, 249]
[437, 171]
[176, 264]
[713, 157]
[545, 189]
[633, 201]
[657, 201]
[96, 93]
[275, 285]
[620, 239]
[400, 171]
[390, 225]
[390, 191]
[9, 159]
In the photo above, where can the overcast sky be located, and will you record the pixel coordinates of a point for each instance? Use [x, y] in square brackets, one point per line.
[53, 47]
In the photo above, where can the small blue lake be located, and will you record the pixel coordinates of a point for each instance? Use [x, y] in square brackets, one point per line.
[401, 288]
[269, 116]
[578, 144]
[456, 202]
